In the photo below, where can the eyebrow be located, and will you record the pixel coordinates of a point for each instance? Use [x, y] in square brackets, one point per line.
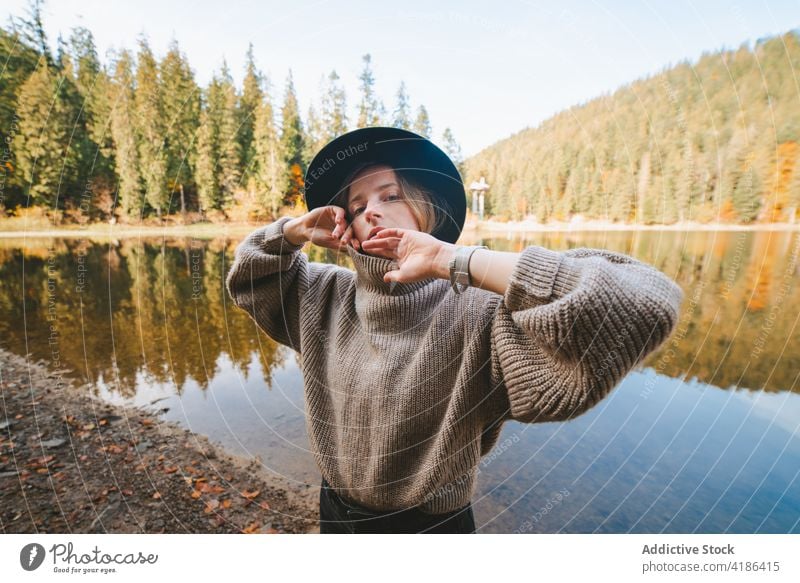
[381, 187]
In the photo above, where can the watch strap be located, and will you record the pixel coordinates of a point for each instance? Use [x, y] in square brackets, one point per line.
[459, 267]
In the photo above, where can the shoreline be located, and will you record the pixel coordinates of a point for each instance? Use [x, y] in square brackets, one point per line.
[71, 462]
[105, 231]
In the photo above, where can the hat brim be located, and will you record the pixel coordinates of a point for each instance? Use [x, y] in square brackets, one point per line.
[415, 155]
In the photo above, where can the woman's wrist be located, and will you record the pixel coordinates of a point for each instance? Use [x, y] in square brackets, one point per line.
[293, 232]
[441, 264]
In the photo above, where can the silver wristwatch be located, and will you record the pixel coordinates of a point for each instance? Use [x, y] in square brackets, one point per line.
[459, 267]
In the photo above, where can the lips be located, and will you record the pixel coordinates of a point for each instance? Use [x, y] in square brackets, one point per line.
[374, 231]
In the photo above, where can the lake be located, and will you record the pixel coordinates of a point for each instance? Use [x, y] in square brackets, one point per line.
[701, 438]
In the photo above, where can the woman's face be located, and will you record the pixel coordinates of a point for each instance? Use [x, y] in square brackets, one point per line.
[375, 200]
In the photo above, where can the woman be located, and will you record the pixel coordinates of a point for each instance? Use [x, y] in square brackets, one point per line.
[408, 374]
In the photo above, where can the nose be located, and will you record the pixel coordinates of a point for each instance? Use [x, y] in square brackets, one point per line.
[373, 210]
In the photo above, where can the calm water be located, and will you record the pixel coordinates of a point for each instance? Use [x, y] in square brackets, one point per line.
[703, 437]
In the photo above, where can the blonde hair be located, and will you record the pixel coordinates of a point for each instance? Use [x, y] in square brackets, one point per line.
[419, 198]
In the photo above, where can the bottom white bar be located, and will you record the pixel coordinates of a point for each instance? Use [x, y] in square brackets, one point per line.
[371, 558]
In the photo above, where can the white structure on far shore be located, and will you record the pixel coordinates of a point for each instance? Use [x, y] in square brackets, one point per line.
[478, 190]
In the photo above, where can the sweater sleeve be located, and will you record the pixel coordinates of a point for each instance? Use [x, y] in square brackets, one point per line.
[269, 279]
[572, 324]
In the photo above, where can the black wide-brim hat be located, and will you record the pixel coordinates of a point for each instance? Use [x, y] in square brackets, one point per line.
[417, 157]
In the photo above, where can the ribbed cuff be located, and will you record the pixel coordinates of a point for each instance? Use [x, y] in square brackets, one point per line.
[272, 240]
[539, 276]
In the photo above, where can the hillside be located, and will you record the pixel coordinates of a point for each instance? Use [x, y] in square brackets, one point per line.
[716, 140]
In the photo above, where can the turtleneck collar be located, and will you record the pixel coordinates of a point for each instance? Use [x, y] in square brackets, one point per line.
[370, 270]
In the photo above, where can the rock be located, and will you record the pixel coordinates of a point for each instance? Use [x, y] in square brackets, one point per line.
[143, 446]
[50, 443]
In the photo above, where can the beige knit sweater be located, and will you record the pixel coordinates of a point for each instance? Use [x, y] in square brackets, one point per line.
[407, 385]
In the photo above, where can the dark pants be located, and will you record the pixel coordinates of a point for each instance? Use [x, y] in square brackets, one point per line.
[337, 515]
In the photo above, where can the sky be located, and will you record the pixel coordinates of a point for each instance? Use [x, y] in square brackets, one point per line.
[485, 69]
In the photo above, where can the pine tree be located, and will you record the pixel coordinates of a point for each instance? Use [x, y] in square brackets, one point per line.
[422, 125]
[334, 109]
[453, 150]
[315, 137]
[747, 194]
[268, 166]
[123, 133]
[45, 160]
[401, 118]
[92, 83]
[206, 175]
[230, 150]
[369, 108]
[76, 185]
[181, 103]
[292, 144]
[31, 30]
[19, 62]
[151, 129]
[252, 97]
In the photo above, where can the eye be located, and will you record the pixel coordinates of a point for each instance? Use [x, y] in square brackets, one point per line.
[358, 210]
[393, 196]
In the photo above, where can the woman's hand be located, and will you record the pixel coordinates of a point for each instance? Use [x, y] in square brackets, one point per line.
[418, 255]
[323, 226]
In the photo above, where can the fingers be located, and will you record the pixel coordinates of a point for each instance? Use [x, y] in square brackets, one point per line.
[387, 232]
[349, 235]
[378, 242]
[341, 223]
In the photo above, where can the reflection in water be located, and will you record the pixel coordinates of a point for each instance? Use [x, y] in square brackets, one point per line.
[149, 320]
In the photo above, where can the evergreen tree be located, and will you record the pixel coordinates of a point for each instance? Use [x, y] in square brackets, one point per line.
[181, 103]
[369, 108]
[334, 109]
[19, 61]
[92, 83]
[30, 29]
[292, 144]
[230, 150]
[315, 136]
[453, 150]
[422, 125]
[747, 194]
[130, 193]
[268, 166]
[401, 118]
[47, 163]
[252, 97]
[206, 175]
[81, 152]
[151, 128]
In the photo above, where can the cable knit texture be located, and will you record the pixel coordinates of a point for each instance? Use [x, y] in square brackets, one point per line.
[407, 385]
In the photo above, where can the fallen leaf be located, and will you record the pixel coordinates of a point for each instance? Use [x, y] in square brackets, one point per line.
[251, 529]
[157, 495]
[264, 506]
[226, 503]
[251, 495]
[196, 494]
